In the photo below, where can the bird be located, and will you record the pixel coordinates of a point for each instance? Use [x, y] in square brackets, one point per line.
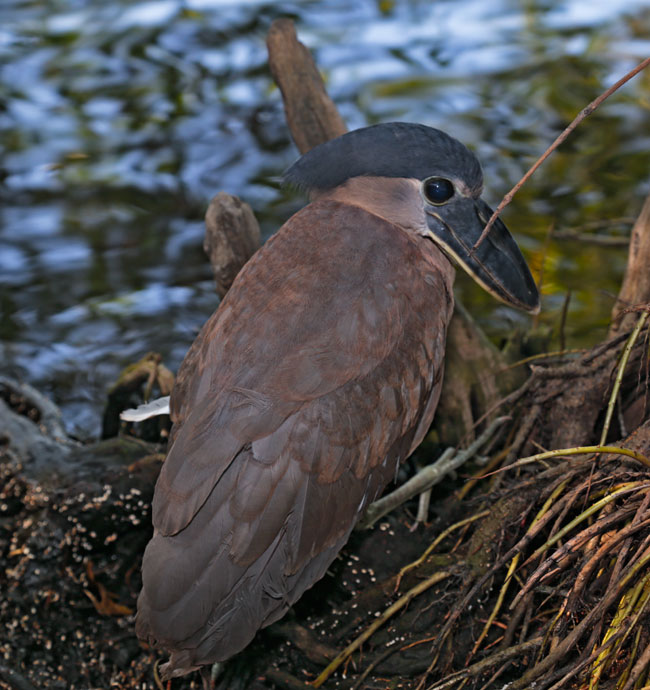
[317, 375]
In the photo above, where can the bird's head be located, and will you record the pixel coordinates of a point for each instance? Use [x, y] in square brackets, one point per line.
[417, 175]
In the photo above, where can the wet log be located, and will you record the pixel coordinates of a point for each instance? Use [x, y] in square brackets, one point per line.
[232, 236]
[311, 114]
[32, 432]
[636, 281]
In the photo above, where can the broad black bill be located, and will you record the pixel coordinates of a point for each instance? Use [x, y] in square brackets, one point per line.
[497, 265]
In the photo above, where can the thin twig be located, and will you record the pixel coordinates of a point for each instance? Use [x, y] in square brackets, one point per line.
[465, 600]
[156, 675]
[436, 541]
[569, 642]
[579, 450]
[544, 355]
[586, 514]
[587, 238]
[642, 664]
[371, 629]
[513, 566]
[574, 544]
[587, 569]
[427, 477]
[619, 374]
[565, 310]
[577, 120]
[602, 223]
[578, 666]
[479, 666]
[420, 482]
[380, 659]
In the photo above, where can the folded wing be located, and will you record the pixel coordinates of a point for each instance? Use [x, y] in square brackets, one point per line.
[292, 411]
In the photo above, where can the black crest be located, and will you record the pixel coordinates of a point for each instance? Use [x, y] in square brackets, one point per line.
[392, 149]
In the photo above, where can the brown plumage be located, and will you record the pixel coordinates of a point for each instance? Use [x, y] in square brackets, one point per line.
[318, 374]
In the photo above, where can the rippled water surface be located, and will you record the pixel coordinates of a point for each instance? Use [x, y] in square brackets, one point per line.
[119, 121]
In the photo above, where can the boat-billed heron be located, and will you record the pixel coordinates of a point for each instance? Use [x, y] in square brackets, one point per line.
[316, 377]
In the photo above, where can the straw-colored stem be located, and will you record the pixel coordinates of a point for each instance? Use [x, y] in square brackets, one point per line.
[619, 374]
[370, 630]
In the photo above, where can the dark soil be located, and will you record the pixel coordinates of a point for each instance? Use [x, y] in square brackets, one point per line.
[71, 542]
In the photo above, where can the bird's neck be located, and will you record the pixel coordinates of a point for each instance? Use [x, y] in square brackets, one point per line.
[396, 200]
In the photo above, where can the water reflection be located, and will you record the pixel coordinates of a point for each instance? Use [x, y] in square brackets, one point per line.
[120, 120]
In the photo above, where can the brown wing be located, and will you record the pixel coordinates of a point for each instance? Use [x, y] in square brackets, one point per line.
[301, 319]
[293, 409]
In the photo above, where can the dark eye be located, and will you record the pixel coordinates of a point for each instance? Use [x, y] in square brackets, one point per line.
[438, 190]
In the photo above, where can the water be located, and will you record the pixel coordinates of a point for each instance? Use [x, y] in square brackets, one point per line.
[119, 121]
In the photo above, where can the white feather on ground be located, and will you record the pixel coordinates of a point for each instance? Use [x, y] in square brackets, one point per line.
[147, 410]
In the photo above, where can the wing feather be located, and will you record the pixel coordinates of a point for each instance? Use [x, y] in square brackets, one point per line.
[292, 411]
